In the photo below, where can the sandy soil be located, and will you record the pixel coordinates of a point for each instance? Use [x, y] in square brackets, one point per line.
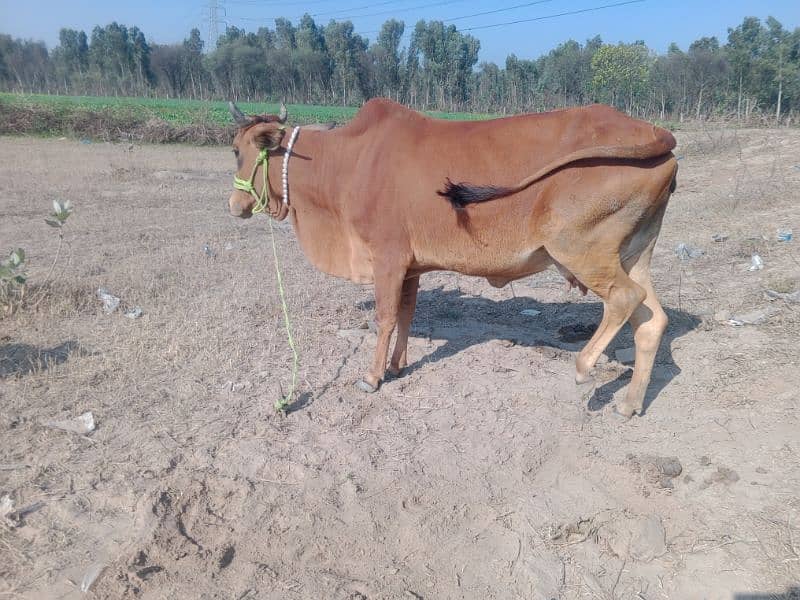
[481, 473]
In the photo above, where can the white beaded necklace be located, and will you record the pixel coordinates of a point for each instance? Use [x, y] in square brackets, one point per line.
[285, 172]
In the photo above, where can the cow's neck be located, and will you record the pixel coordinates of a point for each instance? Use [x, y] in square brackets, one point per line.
[305, 162]
[315, 202]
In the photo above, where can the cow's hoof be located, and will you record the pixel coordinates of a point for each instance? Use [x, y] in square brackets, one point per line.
[366, 387]
[581, 378]
[622, 412]
[394, 372]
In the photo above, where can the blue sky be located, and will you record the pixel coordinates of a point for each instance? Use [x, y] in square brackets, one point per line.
[657, 22]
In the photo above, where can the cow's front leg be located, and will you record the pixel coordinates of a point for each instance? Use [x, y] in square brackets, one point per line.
[388, 290]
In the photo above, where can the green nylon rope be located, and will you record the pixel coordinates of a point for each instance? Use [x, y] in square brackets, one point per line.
[282, 403]
[260, 206]
[246, 185]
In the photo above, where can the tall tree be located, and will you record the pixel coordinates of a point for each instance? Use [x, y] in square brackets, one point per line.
[620, 73]
[193, 62]
[387, 58]
[745, 47]
[707, 70]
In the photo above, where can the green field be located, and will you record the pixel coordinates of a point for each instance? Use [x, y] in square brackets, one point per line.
[188, 112]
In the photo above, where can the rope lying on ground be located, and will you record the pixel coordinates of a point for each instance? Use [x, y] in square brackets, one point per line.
[282, 403]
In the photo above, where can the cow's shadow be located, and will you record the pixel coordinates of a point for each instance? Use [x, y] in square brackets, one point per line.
[463, 321]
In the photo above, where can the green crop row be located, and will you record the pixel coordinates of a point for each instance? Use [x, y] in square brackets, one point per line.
[187, 112]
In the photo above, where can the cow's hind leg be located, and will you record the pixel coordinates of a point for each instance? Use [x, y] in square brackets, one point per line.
[408, 302]
[620, 295]
[649, 321]
[388, 288]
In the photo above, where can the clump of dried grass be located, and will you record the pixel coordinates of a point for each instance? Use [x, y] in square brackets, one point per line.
[109, 125]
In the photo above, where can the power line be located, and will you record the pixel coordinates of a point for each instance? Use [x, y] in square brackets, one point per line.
[497, 10]
[446, 2]
[563, 14]
[320, 14]
[336, 12]
[281, 4]
[373, 14]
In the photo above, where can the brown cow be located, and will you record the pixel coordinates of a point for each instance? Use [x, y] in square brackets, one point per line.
[584, 189]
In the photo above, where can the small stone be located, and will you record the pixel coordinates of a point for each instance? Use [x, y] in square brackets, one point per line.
[722, 315]
[650, 541]
[658, 469]
[669, 466]
[761, 470]
[726, 475]
[705, 461]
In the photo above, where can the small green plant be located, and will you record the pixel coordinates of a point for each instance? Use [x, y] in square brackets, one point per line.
[59, 216]
[13, 277]
[12, 281]
[57, 219]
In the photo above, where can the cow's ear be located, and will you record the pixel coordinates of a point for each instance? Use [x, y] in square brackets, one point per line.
[269, 138]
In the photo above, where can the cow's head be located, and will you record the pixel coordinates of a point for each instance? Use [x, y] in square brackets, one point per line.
[257, 141]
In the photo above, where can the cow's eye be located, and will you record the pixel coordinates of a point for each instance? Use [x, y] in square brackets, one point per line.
[236, 152]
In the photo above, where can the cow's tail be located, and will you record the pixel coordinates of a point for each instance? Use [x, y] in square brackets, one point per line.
[462, 194]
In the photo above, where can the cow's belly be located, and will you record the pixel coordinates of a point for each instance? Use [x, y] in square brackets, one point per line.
[499, 265]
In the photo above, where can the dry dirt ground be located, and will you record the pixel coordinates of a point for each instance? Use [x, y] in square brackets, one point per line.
[482, 473]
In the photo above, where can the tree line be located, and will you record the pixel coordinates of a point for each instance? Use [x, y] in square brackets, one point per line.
[755, 73]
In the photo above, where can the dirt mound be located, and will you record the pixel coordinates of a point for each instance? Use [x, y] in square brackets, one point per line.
[107, 125]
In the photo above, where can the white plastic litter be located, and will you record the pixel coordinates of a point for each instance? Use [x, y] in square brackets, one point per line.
[530, 312]
[81, 424]
[92, 573]
[7, 511]
[134, 313]
[685, 251]
[755, 317]
[110, 302]
[756, 263]
[792, 298]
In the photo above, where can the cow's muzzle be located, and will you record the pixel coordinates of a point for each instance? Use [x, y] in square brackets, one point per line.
[240, 205]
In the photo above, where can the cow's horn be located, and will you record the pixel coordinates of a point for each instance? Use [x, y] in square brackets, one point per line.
[238, 116]
[284, 114]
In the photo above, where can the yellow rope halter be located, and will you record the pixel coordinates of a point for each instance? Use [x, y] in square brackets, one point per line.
[246, 185]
